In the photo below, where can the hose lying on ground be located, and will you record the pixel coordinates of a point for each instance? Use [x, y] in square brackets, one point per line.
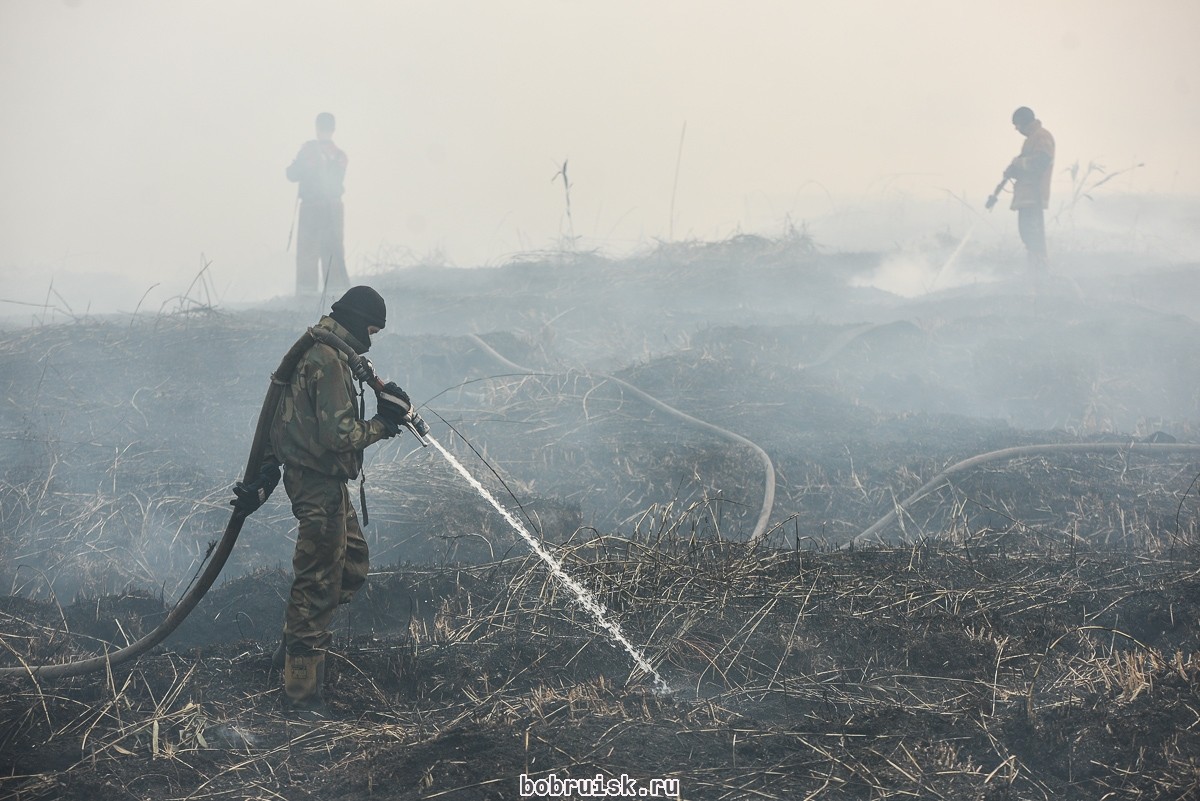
[760, 527]
[1012, 453]
[279, 380]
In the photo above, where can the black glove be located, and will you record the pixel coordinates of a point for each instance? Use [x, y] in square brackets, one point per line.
[254, 494]
[395, 411]
[362, 369]
[393, 389]
[393, 414]
[393, 428]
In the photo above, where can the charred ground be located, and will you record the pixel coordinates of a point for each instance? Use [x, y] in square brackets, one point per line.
[1034, 632]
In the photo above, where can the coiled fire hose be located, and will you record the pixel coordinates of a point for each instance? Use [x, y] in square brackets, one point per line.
[220, 554]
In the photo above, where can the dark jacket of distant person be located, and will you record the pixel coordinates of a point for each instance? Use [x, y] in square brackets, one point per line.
[1032, 169]
[320, 169]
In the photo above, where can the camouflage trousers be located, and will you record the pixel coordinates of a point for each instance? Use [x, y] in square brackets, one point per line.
[331, 559]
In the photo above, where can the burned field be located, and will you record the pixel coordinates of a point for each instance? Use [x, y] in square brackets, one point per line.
[1029, 630]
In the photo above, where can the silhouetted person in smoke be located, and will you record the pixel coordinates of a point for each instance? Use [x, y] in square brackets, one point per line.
[1031, 172]
[320, 169]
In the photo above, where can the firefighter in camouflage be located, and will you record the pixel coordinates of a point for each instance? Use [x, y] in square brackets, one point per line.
[319, 437]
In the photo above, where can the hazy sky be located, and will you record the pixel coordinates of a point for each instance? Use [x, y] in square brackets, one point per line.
[139, 134]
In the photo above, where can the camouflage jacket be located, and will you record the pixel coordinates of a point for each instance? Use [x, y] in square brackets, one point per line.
[317, 425]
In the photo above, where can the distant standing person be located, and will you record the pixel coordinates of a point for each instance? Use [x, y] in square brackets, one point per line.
[320, 170]
[1031, 172]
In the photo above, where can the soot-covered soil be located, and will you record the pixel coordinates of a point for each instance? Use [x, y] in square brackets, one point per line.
[1031, 632]
[998, 666]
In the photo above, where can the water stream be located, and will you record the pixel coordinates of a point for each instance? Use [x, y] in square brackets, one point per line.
[581, 594]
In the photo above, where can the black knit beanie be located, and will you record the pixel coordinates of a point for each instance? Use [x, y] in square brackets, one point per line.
[360, 307]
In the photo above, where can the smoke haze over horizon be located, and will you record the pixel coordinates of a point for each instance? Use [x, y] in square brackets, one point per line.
[140, 135]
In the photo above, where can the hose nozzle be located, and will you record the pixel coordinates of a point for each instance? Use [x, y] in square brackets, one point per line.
[995, 196]
[412, 421]
[419, 428]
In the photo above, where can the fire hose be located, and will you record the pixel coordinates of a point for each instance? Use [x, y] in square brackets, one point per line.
[871, 534]
[1012, 453]
[935, 483]
[280, 379]
[760, 527]
[220, 553]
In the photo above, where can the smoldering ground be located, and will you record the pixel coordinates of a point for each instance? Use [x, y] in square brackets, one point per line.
[1035, 635]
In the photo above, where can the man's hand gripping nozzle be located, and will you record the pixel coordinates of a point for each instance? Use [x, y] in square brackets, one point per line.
[395, 407]
[390, 395]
